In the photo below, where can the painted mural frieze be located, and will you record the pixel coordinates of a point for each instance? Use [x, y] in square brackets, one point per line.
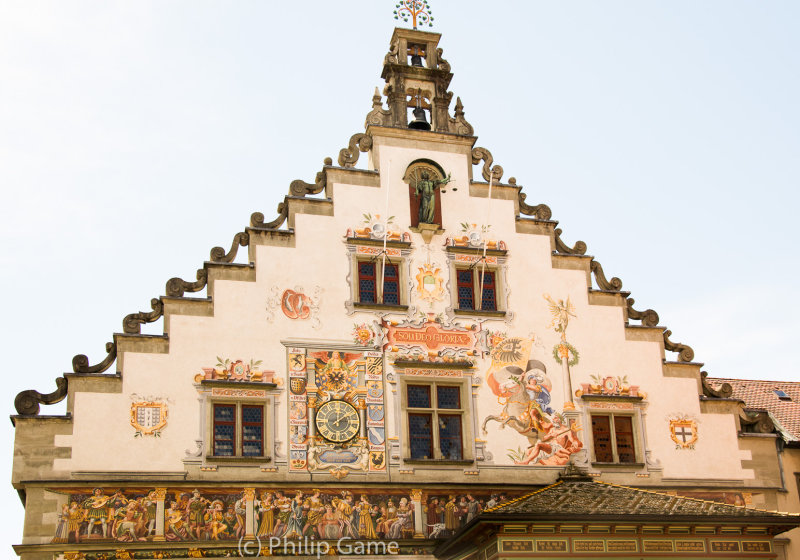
[296, 304]
[197, 515]
[99, 515]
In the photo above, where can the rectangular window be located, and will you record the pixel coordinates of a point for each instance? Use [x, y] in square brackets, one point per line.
[601, 429]
[489, 297]
[466, 289]
[614, 439]
[224, 430]
[238, 430]
[623, 433]
[391, 285]
[420, 433]
[435, 432]
[368, 281]
[252, 431]
[476, 285]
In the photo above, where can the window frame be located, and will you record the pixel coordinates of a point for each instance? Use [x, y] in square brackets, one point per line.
[434, 411]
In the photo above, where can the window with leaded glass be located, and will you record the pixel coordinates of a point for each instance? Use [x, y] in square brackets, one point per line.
[369, 274]
[391, 284]
[466, 289]
[367, 283]
[435, 421]
[224, 430]
[489, 296]
[252, 431]
[238, 430]
[474, 286]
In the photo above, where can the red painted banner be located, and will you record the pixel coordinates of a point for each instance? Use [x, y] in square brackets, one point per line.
[429, 335]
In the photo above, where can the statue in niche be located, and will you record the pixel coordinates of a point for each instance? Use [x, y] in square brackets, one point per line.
[425, 190]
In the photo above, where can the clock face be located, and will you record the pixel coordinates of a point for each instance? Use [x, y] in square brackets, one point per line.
[338, 421]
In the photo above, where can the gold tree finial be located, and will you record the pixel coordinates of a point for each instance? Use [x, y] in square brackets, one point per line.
[417, 10]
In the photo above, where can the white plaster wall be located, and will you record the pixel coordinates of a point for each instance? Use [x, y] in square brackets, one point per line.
[103, 438]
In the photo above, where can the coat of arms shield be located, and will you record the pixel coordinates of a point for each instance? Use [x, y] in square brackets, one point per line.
[297, 385]
[148, 418]
[683, 432]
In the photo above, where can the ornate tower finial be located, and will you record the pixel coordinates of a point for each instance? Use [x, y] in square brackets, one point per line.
[418, 10]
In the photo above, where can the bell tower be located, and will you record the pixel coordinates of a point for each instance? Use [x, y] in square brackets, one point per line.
[417, 78]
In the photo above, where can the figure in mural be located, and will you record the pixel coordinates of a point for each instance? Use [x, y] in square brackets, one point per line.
[521, 391]
[404, 523]
[473, 508]
[561, 313]
[284, 507]
[538, 385]
[526, 396]
[241, 511]
[215, 521]
[294, 527]
[97, 511]
[426, 190]
[366, 526]
[316, 510]
[557, 443]
[69, 525]
[175, 526]
[266, 511]
[196, 507]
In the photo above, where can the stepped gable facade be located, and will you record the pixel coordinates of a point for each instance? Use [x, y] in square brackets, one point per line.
[409, 355]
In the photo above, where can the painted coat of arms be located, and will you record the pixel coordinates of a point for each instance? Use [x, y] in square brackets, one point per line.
[430, 284]
[148, 418]
[683, 431]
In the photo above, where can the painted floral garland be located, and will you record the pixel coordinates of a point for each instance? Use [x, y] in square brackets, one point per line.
[575, 355]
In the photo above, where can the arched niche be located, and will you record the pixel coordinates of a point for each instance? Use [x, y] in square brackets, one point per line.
[412, 174]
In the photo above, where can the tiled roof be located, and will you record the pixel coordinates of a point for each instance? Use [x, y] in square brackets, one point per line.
[595, 498]
[761, 394]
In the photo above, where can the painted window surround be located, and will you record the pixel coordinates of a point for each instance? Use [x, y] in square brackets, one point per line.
[460, 258]
[364, 250]
[238, 394]
[618, 405]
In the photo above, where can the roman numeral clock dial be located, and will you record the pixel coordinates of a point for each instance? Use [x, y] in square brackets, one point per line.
[338, 421]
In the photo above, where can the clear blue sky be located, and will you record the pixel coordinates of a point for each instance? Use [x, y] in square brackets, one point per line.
[135, 136]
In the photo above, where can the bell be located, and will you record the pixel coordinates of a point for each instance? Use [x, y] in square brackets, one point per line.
[416, 60]
[419, 122]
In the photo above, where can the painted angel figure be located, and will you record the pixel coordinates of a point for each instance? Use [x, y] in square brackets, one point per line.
[561, 313]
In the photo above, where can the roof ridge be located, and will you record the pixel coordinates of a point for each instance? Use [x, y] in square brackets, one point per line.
[699, 500]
